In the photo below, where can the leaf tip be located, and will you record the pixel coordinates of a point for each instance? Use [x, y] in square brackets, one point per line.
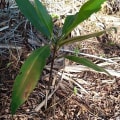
[13, 107]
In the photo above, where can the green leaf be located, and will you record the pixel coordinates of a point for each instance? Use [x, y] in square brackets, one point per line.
[84, 13]
[33, 16]
[44, 17]
[28, 76]
[84, 37]
[86, 62]
[68, 22]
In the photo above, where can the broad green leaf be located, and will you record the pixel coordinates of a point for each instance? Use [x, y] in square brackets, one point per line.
[86, 62]
[84, 37]
[28, 76]
[30, 12]
[84, 13]
[44, 17]
[68, 21]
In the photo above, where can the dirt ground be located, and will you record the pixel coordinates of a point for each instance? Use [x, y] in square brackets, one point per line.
[97, 96]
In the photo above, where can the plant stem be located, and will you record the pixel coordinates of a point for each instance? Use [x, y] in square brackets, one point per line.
[51, 68]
